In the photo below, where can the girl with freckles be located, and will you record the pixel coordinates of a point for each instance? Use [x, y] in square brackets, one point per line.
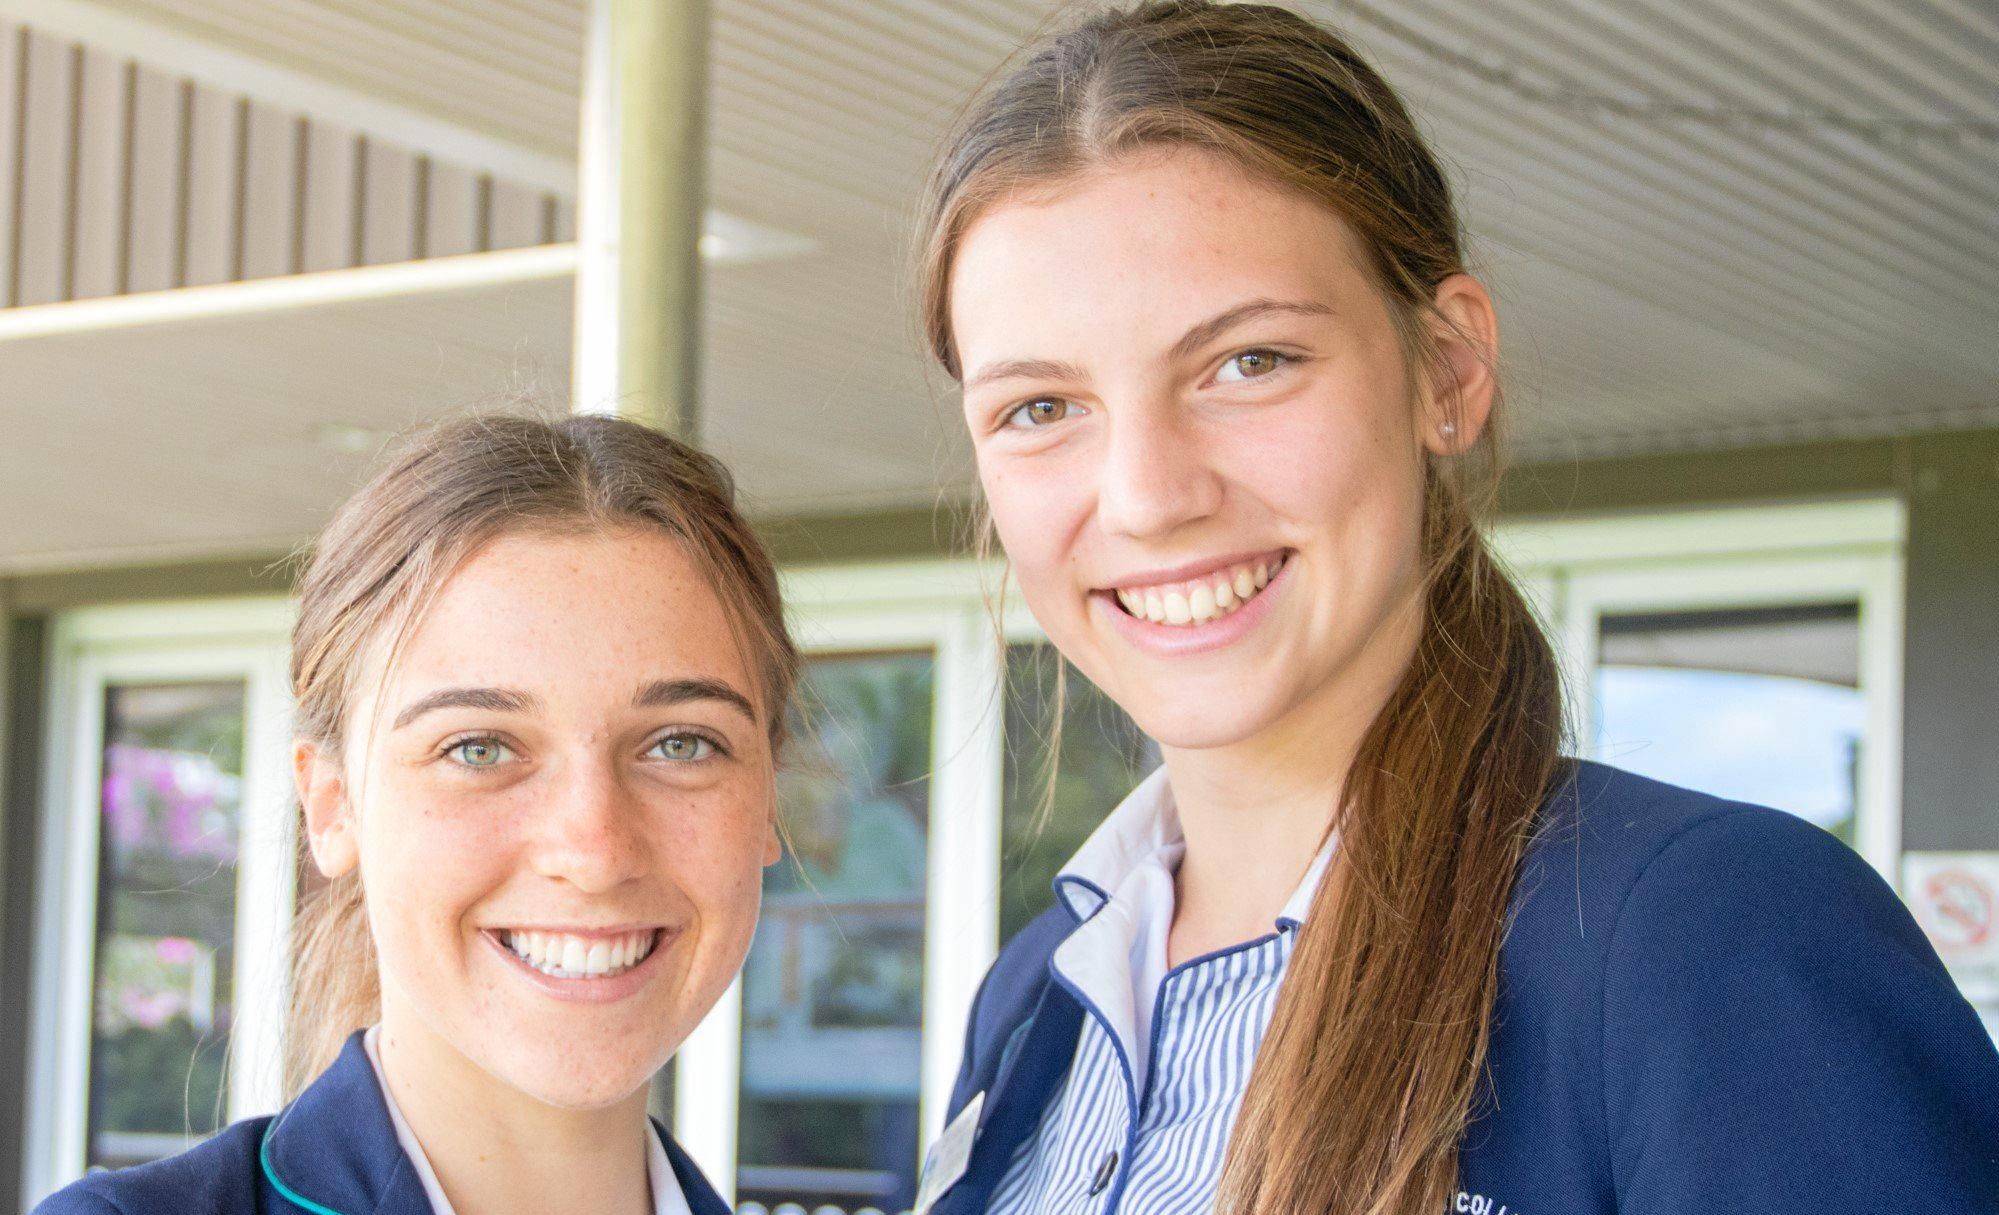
[540, 673]
[1368, 943]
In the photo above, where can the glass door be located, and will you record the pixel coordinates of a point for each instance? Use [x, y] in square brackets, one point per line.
[169, 846]
[166, 883]
[815, 1084]
[832, 993]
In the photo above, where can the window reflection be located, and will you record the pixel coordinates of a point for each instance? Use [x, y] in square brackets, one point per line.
[1760, 705]
[171, 802]
[833, 988]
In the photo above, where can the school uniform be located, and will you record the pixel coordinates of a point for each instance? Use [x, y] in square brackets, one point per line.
[342, 1148]
[1703, 1006]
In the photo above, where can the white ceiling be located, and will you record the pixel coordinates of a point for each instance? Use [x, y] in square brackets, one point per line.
[1709, 223]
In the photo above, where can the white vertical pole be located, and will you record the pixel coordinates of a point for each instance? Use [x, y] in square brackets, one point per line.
[961, 934]
[266, 891]
[707, 1091]
[594, 350]
[641, 186]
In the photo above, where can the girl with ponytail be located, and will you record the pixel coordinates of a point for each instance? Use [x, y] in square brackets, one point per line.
[540, 675]
[1367, 944]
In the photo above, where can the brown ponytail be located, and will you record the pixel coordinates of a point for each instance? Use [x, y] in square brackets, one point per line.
[1369, 1072]
[391, 547]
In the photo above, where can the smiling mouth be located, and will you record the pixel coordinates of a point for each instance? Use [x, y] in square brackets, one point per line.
[562, 955]
[1198, 601]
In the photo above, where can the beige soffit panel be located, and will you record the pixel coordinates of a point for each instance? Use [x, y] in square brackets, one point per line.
[129, 179]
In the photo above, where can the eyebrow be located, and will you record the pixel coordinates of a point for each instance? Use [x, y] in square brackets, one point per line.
[657, 694]
[1191, 341]
[666, 692]
[495, 700]
[1212, 328]
[1025, 369]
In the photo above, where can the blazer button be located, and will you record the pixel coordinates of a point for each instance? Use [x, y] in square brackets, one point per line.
[1105, 1171]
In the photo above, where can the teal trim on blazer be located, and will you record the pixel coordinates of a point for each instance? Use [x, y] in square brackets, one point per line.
[290, 1195]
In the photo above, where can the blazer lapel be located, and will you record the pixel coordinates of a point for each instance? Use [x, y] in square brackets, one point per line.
[335, 1148]
[1036, 1057]
[701, 1197]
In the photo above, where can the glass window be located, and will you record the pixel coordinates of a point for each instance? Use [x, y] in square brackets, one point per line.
[833, 988]
[1761, 705]
[1103, 754]
[171, 799]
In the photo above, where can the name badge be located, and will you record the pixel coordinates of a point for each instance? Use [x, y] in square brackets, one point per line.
[949, 1157]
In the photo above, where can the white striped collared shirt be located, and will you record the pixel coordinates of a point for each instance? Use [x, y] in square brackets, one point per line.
[1141, 1122]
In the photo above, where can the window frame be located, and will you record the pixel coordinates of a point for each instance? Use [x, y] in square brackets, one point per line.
[1846, 551]
[937, 607]
[90, 650]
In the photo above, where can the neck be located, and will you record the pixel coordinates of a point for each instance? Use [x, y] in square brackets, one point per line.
[496, 1149]
[1256, 812]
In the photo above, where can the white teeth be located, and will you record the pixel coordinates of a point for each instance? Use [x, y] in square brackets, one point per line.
[1202, 602]
[570, 957]
[1199, 602]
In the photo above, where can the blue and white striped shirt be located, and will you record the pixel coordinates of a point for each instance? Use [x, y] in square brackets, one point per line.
[1141, 1122]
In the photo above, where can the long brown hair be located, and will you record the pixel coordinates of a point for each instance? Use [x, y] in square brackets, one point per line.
[391, 547]
[1369, 1073]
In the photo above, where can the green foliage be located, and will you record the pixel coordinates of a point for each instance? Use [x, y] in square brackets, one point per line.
[163, 1080]
[1103, 754]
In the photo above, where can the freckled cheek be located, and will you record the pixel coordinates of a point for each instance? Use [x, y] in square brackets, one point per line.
[427, 857]
[1040, 514]
[716, 858]
[1319, 465]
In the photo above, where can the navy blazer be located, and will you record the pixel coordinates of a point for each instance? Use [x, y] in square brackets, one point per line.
[1703, 1006]
[331, 1152]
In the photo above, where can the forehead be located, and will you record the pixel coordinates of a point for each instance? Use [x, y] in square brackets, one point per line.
[1161, 239]
[581, 615]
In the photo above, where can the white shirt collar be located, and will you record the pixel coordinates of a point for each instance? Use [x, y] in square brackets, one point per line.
[1121, 883]
[667, 1198]
[1145, 828]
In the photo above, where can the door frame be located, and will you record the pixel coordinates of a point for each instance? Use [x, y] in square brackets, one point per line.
[90, 649]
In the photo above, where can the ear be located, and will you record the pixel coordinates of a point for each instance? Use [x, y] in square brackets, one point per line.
[1463, 385]
[773, 844]
[329, 817]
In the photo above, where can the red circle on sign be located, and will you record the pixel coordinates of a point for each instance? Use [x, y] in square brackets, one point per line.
[1961, 906]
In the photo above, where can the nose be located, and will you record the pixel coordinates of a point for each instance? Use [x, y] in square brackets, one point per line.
[592, 828]
[1157, 474]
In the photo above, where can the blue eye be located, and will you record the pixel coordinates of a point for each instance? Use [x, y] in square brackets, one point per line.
[683, 748]
[1041, 411]
[1250, 365]
[479, 752]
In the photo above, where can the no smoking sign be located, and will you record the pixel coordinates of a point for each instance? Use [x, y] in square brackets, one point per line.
[1955, 897]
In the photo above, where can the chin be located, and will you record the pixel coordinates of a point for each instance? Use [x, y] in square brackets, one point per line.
[578, 1079]
[1187, 722]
